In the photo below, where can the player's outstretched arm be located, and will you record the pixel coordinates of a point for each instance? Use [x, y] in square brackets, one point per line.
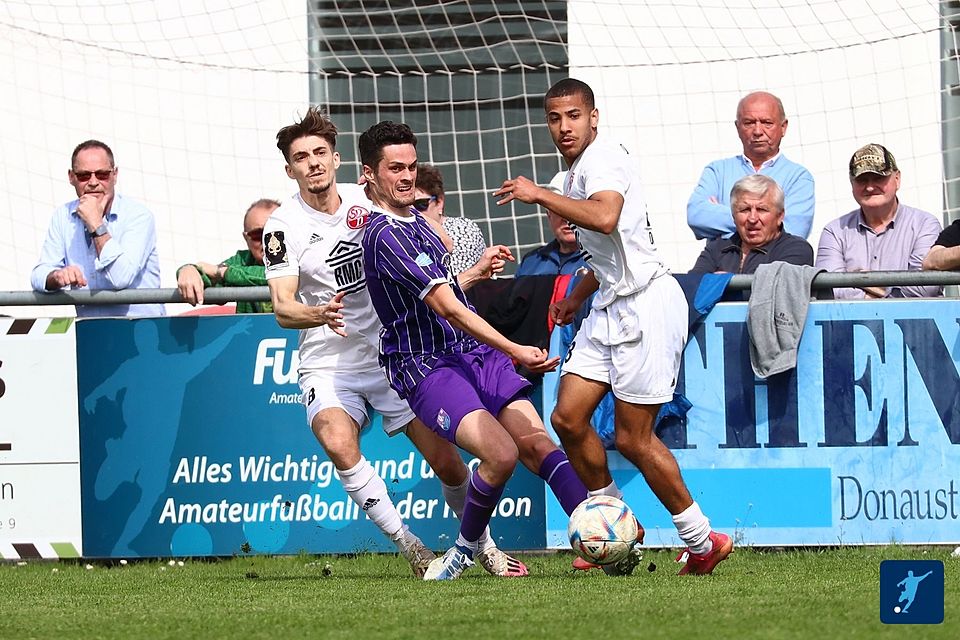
[293, 314]
[445, 304]
[600, 212]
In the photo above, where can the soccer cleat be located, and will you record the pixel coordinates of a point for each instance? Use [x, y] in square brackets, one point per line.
[703, 565]
[418, 556]
[498, 563]
[449, 566]
[622, 568]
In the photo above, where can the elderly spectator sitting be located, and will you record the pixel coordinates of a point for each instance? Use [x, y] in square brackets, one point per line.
[757, 205]
[883, 234]
[243, 269]
[560, 256]
[944, 255]
[761, 124]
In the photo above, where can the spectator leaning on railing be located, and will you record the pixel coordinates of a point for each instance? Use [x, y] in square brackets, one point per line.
[883, 234]
[243, 269]
[944, 255]
[101, 240]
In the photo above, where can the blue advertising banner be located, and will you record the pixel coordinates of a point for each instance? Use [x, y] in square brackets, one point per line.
[860, 444]
[193, 442]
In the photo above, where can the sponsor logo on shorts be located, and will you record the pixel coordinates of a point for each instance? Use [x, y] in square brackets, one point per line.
[443, 420]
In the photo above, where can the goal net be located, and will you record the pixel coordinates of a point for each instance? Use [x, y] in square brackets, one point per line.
[190, 95]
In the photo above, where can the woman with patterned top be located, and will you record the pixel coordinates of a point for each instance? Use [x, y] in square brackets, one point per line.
[468, 242]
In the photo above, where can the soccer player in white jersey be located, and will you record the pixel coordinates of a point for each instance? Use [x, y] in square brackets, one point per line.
[314, 268]
[633, 339]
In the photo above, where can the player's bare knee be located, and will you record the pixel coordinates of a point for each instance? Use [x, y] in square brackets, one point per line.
[568, 427]
[631, 444]
[448, 466]
[501, 460]
[534, 449]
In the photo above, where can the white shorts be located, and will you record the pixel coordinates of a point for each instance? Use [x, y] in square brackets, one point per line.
[353, 391]
[634, 344]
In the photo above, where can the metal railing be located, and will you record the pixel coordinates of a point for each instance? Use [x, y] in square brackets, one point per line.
[220, 295]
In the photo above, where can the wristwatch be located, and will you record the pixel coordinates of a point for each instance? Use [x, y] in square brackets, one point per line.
[100, 231]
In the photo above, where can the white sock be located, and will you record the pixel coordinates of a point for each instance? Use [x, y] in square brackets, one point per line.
[369, 491]
[404, 539]
[611, 490]
[456, 497]
[694, 529]
[471, 547]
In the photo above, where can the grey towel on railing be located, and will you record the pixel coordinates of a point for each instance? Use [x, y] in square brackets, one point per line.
[778, 305]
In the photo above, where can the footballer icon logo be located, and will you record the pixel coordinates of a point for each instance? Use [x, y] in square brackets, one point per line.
[443, 420]
[911, 592]
[357, 217]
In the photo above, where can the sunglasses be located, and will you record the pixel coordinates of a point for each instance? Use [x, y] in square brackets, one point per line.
[102, 175]
[422, 204]
[254, 235]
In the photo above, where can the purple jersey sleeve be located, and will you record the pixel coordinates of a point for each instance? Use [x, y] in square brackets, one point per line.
[410, 264]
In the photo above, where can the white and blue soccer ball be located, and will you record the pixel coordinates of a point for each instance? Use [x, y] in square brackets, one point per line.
[602, 530]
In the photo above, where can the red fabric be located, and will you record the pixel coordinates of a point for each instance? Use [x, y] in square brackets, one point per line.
[559, 293]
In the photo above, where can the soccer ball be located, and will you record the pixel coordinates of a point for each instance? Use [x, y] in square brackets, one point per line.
[602, 530]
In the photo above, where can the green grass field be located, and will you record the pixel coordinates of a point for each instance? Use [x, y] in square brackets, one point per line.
[755, 594]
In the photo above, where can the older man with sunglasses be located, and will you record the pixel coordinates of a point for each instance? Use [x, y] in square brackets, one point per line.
[242, 269]
[101, 240]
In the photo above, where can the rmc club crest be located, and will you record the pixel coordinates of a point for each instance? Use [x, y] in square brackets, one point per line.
[357, 217]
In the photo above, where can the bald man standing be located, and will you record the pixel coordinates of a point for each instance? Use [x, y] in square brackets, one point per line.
[761, 124]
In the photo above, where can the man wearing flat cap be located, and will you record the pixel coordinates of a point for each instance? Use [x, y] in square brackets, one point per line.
[883, 234]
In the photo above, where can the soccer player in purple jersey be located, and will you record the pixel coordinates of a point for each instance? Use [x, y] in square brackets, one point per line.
[445, 360]
[314, 270]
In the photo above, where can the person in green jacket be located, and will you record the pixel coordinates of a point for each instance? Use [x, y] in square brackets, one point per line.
[242, 269]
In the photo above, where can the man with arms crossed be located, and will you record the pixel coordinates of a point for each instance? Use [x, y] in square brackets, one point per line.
[445, 360]
[314, 270]
[633, 339]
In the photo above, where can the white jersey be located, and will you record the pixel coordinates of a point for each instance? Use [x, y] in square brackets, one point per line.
[324, 251]
[625, 260]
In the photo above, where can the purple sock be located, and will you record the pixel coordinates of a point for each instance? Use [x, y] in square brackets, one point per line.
[481, 500]
[557, 471]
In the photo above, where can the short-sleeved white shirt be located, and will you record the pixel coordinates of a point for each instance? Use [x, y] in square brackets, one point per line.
[626, 260]
[324, 251]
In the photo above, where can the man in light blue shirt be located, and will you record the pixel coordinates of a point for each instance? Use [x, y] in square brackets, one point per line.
[761, 124]
[100, 240]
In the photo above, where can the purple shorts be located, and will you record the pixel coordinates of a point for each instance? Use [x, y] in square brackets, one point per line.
[463, 383]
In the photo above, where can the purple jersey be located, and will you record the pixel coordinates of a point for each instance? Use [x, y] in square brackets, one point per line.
[403, 260]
